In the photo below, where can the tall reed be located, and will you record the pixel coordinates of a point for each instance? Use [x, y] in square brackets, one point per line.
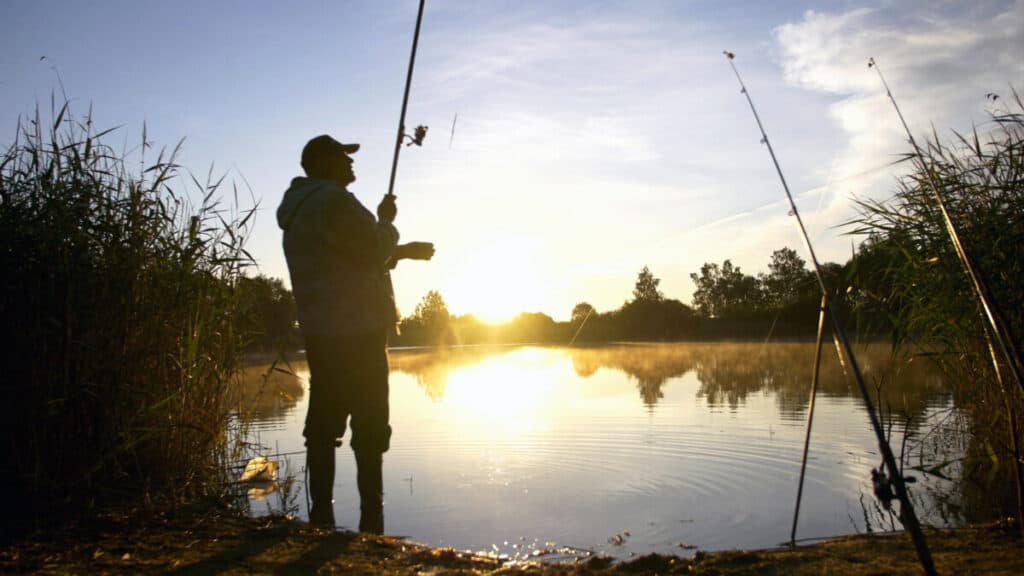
[909, 271]
[118, 297]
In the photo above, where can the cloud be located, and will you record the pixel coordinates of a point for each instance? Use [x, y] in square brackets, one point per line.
[938, 61]
[620, 138]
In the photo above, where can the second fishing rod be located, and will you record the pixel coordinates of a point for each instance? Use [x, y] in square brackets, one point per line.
[907, 515]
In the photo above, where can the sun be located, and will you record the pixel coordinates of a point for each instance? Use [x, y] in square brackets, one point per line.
[498, 281]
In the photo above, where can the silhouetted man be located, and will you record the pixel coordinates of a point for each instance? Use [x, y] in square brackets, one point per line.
[338, 255]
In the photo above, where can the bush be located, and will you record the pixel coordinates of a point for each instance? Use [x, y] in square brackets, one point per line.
[908, 269]
[119, 295]
[908, 275]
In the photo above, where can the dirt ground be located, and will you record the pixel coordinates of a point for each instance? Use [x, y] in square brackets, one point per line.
[219, 541]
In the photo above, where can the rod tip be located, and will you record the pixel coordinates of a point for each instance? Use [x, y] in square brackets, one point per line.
[728, 54]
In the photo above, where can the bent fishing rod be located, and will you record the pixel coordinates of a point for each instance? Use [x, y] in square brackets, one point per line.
[990, 309]
[907, 515]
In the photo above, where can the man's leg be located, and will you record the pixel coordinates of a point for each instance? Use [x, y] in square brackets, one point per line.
[371, 433]
[320, 464]
[325, 423]
[369, 477]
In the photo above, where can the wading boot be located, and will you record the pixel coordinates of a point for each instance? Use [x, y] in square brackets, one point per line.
[320, 464]
[371, 491]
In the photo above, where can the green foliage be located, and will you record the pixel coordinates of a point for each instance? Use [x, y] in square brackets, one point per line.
[908, 272]
[725, 291]
[118, 293]
[788, 280]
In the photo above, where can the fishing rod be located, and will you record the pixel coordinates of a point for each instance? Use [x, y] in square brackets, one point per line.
[580, 329]
[907, 515]
[810, 418]
[416, 138]
[421, 131]
[990, 310]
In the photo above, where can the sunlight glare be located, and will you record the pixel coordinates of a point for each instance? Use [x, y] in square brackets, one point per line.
[498, 281]
[505, 398]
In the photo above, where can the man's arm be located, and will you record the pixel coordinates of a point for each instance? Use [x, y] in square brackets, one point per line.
[411, 251]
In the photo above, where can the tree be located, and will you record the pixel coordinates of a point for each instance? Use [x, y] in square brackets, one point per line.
[430, 323]
[646, 289]
[725, 291]
[531, 327]
[581, 312]
[666, 319]
[788, 279]
[432, 312]
[265, 313]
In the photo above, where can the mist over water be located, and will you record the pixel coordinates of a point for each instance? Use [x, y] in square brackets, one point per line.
[624, 449]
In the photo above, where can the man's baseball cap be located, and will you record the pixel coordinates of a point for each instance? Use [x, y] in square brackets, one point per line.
[324, 148]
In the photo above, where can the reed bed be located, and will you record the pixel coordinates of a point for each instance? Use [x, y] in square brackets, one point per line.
[908, 273]
[118, 299]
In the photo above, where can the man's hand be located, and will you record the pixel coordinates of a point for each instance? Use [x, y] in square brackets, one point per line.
[416, 250]
[411, 251]
[387, 210]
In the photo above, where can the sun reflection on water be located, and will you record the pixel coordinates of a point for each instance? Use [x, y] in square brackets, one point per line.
[506, 397]
[673, 442]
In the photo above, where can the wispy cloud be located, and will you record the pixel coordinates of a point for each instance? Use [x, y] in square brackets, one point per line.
[609, 135]
[940, 61]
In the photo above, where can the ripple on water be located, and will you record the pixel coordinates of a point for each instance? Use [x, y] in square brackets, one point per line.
[597, 462]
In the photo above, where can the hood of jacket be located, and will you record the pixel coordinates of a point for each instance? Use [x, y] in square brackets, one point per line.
[297, 193]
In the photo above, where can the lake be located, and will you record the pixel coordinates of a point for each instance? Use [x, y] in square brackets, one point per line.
[625, 449]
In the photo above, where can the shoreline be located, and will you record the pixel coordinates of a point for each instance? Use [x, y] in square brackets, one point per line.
[216, 539]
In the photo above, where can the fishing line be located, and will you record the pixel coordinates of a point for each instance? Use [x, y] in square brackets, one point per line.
[907, 515]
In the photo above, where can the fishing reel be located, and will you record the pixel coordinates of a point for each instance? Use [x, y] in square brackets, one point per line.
[417, 137]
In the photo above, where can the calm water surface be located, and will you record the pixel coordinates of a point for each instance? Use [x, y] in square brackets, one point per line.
[622, 450]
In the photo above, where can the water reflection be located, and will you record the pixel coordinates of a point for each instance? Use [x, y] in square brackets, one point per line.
[509, 448]
[269, 391]
[728, 373]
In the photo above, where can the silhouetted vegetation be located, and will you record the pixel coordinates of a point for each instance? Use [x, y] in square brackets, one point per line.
[648, 316]
[119, 298]
[431, 323]
[729, 305]
[265, 314]
[910, 282]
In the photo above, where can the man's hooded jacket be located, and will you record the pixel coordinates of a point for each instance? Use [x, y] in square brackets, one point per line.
[337, 254]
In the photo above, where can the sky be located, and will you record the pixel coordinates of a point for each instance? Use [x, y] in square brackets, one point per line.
[591, 138]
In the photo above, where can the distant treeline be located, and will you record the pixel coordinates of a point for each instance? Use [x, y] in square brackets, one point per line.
[728, 304]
